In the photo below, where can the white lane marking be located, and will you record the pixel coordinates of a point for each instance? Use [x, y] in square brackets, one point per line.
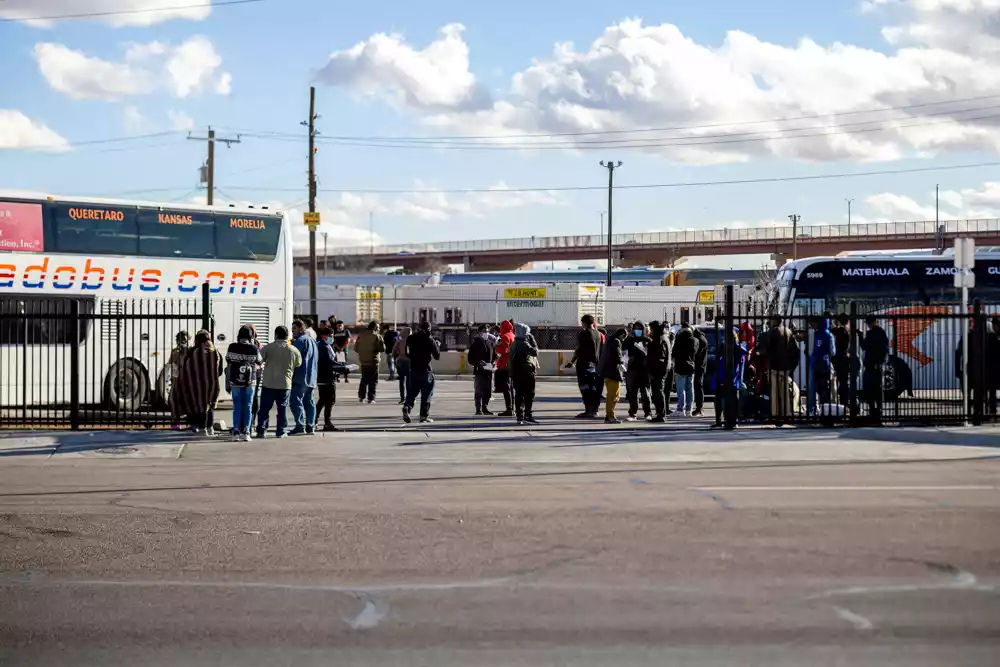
[962, 581]
[857, 620]
[371, 615]
[968, 487]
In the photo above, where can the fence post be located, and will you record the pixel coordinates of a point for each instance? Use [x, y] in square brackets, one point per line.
[74, 366]
[206, 315]
[978, 376]
[852, 363]
[729, 404]
[893, 353]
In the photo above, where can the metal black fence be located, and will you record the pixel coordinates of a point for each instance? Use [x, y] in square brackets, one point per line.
[78, 361]
[886, 364]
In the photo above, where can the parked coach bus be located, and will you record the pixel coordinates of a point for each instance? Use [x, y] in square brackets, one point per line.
[910, 284]
[118, 258]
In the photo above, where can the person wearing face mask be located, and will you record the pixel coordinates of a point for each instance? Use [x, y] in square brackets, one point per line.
[177, 357]
[481, 361]
[637, 347]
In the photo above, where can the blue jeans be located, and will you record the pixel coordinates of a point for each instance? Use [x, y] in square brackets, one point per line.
[685, 393]
[421, 382]
[391, 363]
[303, 404]
[242, 405]
[269, 397]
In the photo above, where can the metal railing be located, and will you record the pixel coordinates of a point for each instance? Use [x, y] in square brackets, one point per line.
[870, 230]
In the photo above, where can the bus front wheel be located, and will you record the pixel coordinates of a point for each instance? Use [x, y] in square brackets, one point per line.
[896, 379]
[125, 386]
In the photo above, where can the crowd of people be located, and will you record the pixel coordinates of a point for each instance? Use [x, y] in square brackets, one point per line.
[644, 364]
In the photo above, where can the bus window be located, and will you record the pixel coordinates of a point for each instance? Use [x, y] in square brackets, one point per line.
[685, 315]
[99, 230]
[247, 238]
[164, 234]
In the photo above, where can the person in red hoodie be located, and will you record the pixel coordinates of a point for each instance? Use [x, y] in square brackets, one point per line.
[501, 378]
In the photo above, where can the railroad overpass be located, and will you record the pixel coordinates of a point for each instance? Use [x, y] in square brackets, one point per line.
[664, 248]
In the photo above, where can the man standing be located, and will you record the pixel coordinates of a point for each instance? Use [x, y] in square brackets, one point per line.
[422, 351]
[280, 361]
[341, 341]
[700, 364]
[612, 370]
[637, 380]
[481, 361]
[781, 350]
[326, 371]
[875, 345]
[369, 347]
[310, 331]
[992, 365]
[841, 357]
[303, 399]
[585, 357]
[821, 363]
[389, 338]
[523, 364]
[501, 378]
[658, 365]
[684, 351]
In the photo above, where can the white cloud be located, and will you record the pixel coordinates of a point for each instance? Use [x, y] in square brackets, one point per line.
[134, 121]
[180, 121]
[437, 76]
[899, 207]
[184, 70]
[118, 13]
[441, 207]
[636, 76]
[976, 202]
[17, 131]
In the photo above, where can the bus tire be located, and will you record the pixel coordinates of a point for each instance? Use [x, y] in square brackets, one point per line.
[126, 386]
[897, 379]
[160, 398]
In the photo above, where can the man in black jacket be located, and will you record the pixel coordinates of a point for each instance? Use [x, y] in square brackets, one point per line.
[585, 357]
[481, 361]
[658, 365]
[637, 347]
[422, 351]
[326, 375]
[841, 355]
[700, 364]
[683, 352]
[875, 345]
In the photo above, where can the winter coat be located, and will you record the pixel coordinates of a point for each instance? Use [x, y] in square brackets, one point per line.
[637, 348]
[480, 355]
[305, 374]
[281, 358]
[588, 348]
[685, 350]
[369, 347]
[503, 345]
[780, 348]
[875, 345]
[658, 357]
[399, 348]
[612, 366]
[242, 363]
[824, 348]
[701, 356]
[326, 364]
[422, 350]
[199, 379]
[523, 352]
[739, 352]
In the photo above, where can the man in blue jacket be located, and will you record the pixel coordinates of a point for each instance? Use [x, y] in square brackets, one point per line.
[821, 362]
[303, 399]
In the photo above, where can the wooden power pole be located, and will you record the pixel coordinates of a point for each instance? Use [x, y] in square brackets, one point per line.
[208, 171]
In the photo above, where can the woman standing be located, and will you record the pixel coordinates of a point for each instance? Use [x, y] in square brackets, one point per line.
[200, 381]
[176, 363]
[398, 352]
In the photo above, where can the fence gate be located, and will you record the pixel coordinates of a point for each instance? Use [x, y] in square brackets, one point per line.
[72, 362]
[888, 364]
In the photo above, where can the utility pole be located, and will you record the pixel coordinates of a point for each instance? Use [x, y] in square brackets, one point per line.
[610, 166]
[602, 224]
[371, 234]
[326, 256]
[311, 124]
[848, 215]
[208, 169]
[794, 217]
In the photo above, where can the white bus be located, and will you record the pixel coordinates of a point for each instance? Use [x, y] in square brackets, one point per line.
[117, 258]
[919, 286]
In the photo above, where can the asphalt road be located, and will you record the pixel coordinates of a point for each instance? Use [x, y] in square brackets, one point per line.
[569, 544]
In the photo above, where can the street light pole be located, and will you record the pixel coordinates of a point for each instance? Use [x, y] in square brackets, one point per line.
[848, 215]
[326, 256]
[794, 217]
[602, 225]
[371, 234]
[610, 166]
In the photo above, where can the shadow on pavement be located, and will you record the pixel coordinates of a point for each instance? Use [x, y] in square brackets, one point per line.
[66, 442]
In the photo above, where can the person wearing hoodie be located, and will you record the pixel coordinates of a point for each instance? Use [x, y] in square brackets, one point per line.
[585, 358]
[684, 351]
[658, 365]
[501, 378]
[821, 363]
[612, 370]
[326, 374]
[398, 353]
[522, 365]
[481, 361]
[637, 348]
[739, 352]
[369, 347]
[700, 364]
[303, 399]
[242, 366]
[422, 349]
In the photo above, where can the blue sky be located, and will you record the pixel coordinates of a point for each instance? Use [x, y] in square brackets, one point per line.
[633, 65]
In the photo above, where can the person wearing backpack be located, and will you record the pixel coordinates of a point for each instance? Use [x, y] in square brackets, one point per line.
[522, 363]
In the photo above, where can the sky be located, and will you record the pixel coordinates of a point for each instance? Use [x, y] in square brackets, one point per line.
[463, 120]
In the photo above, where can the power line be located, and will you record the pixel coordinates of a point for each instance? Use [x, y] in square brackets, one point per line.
[121, 12]
[643, 186]
[643, 130]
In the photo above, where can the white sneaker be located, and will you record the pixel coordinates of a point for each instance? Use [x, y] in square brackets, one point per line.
[247, 437]
[210, 432]
[237, 437]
